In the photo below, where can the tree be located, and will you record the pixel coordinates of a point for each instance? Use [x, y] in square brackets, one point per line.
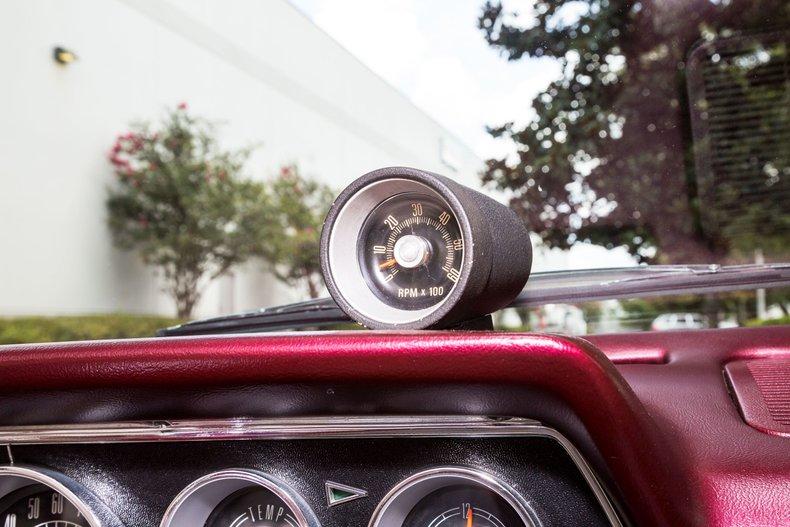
[180, 202]
[608, 156]
[741, 145]
[299, 206]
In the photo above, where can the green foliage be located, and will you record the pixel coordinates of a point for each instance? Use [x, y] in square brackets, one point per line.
[752, 212]
[179, 201]
[608, 156]
[298, 208]
[783, 321]
[20, 330]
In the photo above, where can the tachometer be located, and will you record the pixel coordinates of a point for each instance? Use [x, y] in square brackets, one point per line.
[411, 250]
[407, 249]
[453, 497]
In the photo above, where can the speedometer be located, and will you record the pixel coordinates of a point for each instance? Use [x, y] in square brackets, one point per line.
[38, 497]
[39, 506]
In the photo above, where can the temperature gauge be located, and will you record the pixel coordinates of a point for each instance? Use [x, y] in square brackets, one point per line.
[253, 506]
[238, 498]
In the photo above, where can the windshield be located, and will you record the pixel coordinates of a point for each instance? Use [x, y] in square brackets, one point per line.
[163, 162]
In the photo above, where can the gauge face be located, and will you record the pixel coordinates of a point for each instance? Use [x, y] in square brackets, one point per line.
[453, 497]
[463, 506]
[411, 251]
[39, 506]
[238, 498]
[253, 505]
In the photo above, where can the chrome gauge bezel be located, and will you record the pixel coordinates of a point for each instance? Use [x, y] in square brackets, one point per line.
[399, 502]
[347, 277]
[197, 501]
[15, 477]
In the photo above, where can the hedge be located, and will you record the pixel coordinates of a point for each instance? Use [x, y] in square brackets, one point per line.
[771, 322]
[18, 330]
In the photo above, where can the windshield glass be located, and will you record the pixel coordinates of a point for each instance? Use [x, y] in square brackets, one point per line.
[168, 161]
[660, 313]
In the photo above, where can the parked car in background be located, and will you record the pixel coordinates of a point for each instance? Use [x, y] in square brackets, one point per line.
[669, 321]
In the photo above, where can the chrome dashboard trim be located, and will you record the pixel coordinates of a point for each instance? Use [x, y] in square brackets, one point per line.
[269, 428]
[333, 427]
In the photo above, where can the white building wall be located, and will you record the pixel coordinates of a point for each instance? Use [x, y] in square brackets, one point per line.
[258, 65]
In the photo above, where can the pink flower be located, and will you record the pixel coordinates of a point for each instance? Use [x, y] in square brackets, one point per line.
[136, 143]
[118, 161]
[182, 105]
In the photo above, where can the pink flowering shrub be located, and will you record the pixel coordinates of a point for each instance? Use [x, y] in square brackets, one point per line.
[298, 208]
[179, 200]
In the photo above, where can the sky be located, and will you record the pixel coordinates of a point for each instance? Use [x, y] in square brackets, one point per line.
[433, 53]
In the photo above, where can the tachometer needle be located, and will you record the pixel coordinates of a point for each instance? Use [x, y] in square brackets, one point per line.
[470, 517]
[387, 264]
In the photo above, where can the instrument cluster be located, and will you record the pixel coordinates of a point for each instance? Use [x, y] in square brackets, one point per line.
[333, 472]
[438, 497]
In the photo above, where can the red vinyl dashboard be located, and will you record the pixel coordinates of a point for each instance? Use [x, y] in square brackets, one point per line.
[651, 411]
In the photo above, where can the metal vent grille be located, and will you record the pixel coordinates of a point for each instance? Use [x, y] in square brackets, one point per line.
[739, 90]
[773, 379]
[762, 391]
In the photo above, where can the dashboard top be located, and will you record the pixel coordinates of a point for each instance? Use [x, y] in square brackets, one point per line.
[651, 424]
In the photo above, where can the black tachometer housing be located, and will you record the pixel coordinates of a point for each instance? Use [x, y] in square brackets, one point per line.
[496, 262]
